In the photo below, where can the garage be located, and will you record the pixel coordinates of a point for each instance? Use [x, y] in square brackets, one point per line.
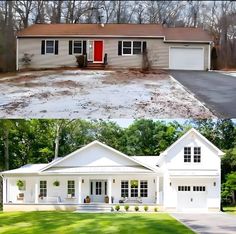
[186, 58]
[191, 198]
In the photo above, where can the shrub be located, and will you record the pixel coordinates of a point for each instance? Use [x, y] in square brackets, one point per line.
[20, 184]
[136, 208]
[81, 61]
[145, 208]
[27, 59]
[117, 207]
[126, 207]
[155, 209]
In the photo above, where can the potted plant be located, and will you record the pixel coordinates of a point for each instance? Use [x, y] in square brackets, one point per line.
[56, 183]
[106, 199]
[20, 184]
[41, 196]
[87, 199]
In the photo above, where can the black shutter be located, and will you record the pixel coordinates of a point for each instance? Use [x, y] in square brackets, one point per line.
[144, 46]
[84, 47]
[56, 47]
[43, 47]
[119, 47]
[70, 47]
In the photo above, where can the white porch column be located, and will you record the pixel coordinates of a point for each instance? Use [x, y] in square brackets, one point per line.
[157, 190]
[79, 190]
[36, 192]
[4, 190]
[109, 189]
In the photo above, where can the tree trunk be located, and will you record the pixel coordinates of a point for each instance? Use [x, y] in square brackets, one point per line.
[57, 141]
[6, 148]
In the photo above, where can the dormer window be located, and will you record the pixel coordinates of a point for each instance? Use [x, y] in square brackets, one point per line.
[187, 154]
[197, 155]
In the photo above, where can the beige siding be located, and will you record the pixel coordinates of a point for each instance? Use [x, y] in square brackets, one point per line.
[158, 53]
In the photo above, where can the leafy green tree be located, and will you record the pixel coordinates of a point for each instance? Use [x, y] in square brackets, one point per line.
[229, 189]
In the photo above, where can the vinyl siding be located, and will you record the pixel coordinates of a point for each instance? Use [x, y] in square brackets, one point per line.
[158, 53]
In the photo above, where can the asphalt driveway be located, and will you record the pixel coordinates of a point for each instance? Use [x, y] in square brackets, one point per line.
[217, 91]
[207, 223]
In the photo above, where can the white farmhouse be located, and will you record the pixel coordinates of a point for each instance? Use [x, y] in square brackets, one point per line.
[185, 177]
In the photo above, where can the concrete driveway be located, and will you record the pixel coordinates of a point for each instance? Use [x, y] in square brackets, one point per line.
[207, 223]
[216, 90]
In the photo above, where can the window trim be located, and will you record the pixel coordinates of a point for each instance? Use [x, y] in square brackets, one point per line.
[71, 188]
[124, 188]
[132, 47]
[53, 46]
[73, 47]
[197, 156]
[45, 189]
[144, 189]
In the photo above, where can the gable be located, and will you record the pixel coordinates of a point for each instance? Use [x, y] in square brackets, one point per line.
[209, 155]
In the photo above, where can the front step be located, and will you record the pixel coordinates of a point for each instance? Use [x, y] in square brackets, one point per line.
[95, 66]
[93, 208]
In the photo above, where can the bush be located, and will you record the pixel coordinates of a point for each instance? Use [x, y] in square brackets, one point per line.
[126, 207]
[56, 183]
[155, 209]
[27, 59]
[145, 208]
[117, 207]
[81, 61]
[136, 208]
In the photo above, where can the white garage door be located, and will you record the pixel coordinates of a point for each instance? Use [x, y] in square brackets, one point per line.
[192, 199]
[186, 58]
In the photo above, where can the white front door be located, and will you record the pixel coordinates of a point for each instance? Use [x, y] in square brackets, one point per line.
[98, 190]
[192, 199]
[186, 58]
[90, 51]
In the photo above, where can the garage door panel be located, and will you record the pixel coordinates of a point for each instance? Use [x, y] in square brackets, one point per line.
[186, 58]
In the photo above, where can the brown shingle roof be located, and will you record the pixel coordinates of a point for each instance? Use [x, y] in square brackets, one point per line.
[115, 30]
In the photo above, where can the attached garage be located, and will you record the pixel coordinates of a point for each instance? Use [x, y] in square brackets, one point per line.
[186, 58]
[191, 199]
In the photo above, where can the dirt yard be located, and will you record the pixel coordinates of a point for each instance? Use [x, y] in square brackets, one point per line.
[97, 94]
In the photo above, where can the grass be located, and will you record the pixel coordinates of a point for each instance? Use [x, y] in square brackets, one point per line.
[230, 209]
[83, 223]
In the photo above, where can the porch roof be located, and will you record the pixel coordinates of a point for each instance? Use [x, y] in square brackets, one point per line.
[97, 170]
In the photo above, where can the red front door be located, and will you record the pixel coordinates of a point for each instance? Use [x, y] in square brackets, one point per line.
[98, 51]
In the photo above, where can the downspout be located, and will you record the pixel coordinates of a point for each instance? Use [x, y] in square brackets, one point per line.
[209, 57]
[17, 55]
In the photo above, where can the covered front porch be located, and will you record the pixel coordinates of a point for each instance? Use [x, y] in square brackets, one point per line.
[83, 189]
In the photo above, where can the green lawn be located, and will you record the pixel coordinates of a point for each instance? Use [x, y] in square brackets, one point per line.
[67, 222]
[230, 209]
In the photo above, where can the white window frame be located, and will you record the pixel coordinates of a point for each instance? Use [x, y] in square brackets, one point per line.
[53, 46]
[122, 188]
[73, 46]
[132, 46]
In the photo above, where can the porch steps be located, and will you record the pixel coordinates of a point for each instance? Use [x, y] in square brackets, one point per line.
[95, 66]
[93, 208]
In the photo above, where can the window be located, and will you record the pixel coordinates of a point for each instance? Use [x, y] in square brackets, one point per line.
[134, 188]
[49, 47]
[127, 47]
[77, 47]
[137, 47]
[143, 188]
[131, 47]
[183, 188]
[71, 187]
[98, 188]
[199, 188]
[105, 185]
[125, 188]
[43, 188]
[91, 188]
[187, 154]
[197, 154]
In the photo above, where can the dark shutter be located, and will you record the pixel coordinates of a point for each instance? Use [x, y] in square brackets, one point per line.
[119, 47]
[144, 46]
[70, 47]
[56, 47]
[84, 47]
[43, 47]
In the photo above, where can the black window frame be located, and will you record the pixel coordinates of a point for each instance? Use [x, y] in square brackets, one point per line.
[43, 188]
[184, 188]
[124, 188]
[187, 154]
[197, 154]
[71, 187]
